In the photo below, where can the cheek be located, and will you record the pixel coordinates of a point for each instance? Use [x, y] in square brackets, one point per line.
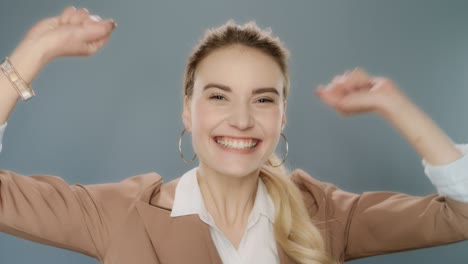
[270, 119]
[204, 118]
[271, 125]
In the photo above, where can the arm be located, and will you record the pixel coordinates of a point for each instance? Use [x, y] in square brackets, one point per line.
[417, 128]
[44, 208]
[356, 92]
[81, 218]
[374, 223]
[73, 33]
[451, 180]
[444, 163]
[384, 222]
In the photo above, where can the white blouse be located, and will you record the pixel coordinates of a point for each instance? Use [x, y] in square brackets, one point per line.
[258, 242]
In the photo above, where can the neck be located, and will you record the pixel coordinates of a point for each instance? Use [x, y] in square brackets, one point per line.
[229, 199]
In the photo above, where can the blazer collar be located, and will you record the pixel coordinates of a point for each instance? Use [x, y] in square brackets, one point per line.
[189, 200]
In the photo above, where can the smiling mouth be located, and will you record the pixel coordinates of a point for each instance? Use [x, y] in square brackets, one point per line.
[235, 143]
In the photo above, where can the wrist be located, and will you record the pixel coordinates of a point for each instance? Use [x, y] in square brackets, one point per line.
[395, 105]
[28, 60]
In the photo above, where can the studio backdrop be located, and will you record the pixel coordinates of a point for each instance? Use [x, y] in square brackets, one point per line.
[118, 113]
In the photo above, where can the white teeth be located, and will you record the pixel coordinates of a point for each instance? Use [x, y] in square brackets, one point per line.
[236, 144]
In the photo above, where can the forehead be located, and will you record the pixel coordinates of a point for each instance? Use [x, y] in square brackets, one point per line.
[239, 67]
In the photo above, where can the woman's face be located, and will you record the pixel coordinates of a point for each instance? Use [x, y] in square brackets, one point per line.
[237, 110]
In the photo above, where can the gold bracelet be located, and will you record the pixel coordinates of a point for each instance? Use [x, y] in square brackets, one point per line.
[18, 83]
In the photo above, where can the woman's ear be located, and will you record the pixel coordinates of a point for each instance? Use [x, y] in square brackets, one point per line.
[283, 119]
[187, 114]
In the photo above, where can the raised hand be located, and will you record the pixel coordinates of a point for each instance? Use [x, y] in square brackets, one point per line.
[75, 32]
[356, 92]
[72, 33]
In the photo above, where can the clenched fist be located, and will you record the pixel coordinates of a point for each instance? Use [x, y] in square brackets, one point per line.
[73, 33]
[356, 92]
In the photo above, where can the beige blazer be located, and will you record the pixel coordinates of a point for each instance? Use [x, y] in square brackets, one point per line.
[129, 222]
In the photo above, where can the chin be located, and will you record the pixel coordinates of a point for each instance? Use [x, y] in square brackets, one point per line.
[238, 172]
[232, 169]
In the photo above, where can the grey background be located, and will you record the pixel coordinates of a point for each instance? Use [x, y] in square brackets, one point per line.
[117, 114]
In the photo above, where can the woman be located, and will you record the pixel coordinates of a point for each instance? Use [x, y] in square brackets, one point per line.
[239, 205]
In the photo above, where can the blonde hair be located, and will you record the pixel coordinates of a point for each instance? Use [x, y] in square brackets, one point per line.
[300, 239]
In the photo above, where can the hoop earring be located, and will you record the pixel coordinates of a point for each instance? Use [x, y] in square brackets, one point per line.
[180, 149]
[285, 156]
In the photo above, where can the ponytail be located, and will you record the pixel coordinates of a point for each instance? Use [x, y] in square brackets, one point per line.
[294, 231]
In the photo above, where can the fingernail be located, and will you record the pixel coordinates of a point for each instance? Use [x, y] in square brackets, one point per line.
[96, 18]
[112, 23]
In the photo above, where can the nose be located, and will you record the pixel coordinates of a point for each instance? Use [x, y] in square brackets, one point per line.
[241, 117]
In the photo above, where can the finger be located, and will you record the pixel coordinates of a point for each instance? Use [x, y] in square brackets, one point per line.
[95, 30]
[93, 47]
[319, 90]
[355, 103]
[324, 96]
[66, 14]
[79, 16]
[335, 90]
[331, 94]
[49, 23]
[358, 77]
[340, 86]
[100, 43]
[379, 83]
[93, 18]
[365, 85]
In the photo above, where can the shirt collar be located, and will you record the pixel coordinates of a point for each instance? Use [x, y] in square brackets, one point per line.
[188, 199]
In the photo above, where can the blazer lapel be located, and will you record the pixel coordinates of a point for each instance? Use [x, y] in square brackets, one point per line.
[183, 239]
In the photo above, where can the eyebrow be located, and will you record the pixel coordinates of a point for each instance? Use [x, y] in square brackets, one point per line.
[228, 89]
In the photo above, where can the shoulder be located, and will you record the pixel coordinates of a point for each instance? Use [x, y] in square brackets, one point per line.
[313, 191]
[140, 183]
[322, 194]
[307, 183]
[149, 188]
[140, 187]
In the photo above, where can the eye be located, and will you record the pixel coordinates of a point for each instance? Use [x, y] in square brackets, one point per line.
[217, 97]
[265, 100]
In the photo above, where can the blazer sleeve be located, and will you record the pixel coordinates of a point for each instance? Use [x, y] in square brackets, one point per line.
[45, 209]
[374, 223]
[385, 222]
